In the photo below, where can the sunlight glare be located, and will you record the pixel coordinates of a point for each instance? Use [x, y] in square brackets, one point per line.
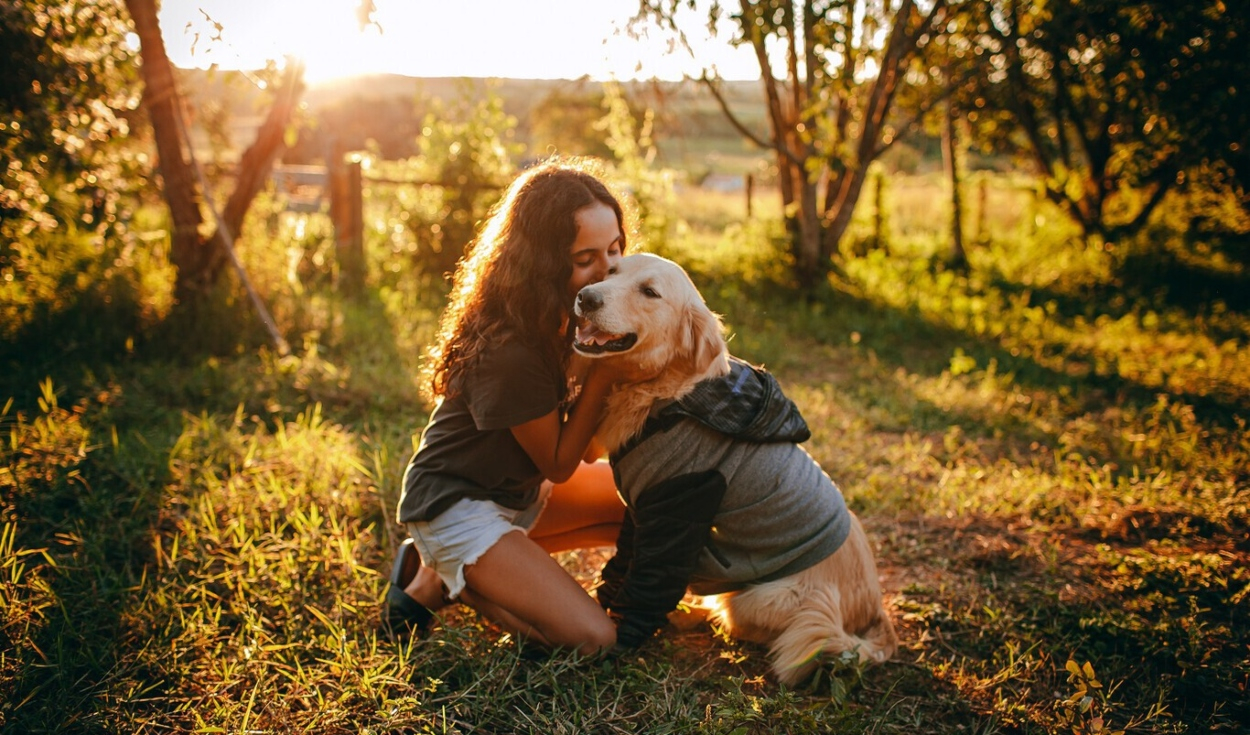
[324, 34]
[328, 39]
[421, 38]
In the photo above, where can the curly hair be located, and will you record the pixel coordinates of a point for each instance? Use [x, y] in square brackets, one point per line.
[512, 278]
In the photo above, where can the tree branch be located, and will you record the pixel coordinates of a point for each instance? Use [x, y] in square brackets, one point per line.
[738, 125]
[257, 160]
[927, 105]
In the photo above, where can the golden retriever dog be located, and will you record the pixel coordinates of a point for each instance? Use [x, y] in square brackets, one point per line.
[722, 500]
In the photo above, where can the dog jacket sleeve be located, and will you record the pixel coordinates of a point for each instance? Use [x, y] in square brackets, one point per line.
[672, 520]
[612, 576]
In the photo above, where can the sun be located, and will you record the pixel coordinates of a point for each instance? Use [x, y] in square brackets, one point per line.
[469, 38]
[326, 35]
[332, 44]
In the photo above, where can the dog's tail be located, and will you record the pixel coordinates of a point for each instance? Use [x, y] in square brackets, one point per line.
[817, 630]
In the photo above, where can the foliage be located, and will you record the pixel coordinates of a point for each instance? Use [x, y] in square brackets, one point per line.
[634, 167]
[827, 102]
[466, 151]
[51, 284]
[66, 96]
[567, 123]
[1102, 98]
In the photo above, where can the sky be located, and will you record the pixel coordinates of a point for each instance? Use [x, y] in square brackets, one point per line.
[524, 39]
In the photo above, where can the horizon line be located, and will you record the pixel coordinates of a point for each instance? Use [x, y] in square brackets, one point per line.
[350, 77]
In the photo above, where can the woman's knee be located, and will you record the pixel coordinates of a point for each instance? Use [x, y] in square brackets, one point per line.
[604, 635]
[591, 636]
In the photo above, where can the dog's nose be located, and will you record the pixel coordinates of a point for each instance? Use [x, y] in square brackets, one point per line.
[588, 301]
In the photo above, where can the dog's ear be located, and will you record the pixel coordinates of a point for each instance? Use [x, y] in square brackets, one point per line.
[704, 341]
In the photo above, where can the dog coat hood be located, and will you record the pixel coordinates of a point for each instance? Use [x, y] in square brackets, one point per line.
[746, 404]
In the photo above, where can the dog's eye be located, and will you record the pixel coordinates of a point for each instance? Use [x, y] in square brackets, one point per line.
[650, 293]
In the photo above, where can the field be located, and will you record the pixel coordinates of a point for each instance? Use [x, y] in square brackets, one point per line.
[1048, 450]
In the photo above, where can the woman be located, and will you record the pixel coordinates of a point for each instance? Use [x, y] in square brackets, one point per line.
[498, 481]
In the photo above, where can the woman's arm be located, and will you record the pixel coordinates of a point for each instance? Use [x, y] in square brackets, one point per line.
[558, 448]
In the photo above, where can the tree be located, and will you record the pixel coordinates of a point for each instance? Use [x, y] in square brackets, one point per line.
[467, 145]
[1113, 101]
[952, 158]
[564, 122]
[828, 111]
[199, 259]
[64, 102]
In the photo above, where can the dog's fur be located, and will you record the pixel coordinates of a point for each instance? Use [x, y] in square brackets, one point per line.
[650, 314]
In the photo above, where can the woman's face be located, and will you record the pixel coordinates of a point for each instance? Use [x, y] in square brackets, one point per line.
[597, 247]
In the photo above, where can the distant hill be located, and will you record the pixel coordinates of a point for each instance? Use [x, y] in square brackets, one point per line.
[511, 90]
[689, 124]
[518, 94]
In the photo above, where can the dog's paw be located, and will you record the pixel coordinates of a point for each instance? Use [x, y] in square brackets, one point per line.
[687, 617]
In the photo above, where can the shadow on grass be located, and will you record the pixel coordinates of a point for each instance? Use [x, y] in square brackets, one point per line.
[1081, 376]
[63, 340]
[86, 337]
[77, 656]
[1182, 283]
[94, 508]
[94, 522]
[892, 339]
[1160, 280]
[1157, 621]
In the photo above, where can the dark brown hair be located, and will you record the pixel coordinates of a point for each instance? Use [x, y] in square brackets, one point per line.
[513, 278]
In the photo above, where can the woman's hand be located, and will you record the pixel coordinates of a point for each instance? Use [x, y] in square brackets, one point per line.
[612, 373]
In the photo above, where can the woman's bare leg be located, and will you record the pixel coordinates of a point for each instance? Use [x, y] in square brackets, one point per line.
[583, 512]
[517, 584]
[427, 588]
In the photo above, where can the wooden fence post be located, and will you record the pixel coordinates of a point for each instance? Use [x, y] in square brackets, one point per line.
[878, 214]
[983, 230]
[347, 212]
[952, 155]
[750, 187]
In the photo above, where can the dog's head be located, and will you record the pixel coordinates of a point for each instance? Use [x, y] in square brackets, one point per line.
[647, 311]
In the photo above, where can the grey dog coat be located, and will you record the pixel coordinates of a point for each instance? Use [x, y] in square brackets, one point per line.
[719, 495]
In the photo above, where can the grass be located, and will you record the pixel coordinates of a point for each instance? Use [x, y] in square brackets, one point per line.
[1048, 449]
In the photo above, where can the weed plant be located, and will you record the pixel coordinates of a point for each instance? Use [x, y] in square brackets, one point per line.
[1048, 450]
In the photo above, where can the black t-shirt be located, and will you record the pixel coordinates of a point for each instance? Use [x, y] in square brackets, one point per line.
[467, 450]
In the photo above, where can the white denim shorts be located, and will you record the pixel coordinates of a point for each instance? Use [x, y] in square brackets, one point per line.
[459, 536]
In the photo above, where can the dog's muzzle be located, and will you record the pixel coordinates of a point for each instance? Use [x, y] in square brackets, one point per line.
[590, 339]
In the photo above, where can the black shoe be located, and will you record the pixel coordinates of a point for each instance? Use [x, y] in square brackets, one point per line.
[403, 615]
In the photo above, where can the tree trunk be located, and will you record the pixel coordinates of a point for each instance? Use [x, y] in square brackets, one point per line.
[899, 46]
[950, 156]
[811, 268]
[815, 227]
[199, 260]
[848, 196]
[193, 259]
[257, 161]
[879, 240]
[798, 194]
